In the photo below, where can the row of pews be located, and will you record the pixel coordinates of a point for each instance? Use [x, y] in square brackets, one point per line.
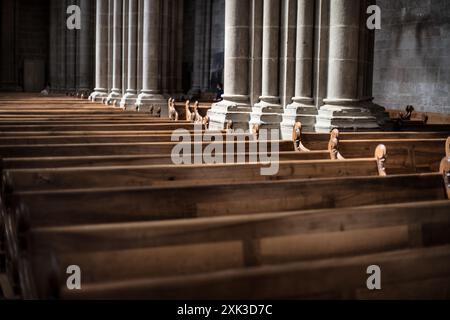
[95, 187]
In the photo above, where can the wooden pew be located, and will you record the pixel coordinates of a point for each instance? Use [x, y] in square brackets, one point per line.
[99, 127]
[160, 175]
[20, 123]
[55, 150]
[119, 138]
[104, 205]
[188, 247]
[319, 141]
[136, 160]
[405, 273]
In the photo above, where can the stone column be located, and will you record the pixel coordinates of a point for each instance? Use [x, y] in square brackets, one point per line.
[344, 109]
[129, 99]
[235, 106]
[101, 52]
[140, 44]
[125, 42]
[179, 49]
[150, 97]
[116, 90]
[202, 44]
[85, 48]
[302, 108]
[268, 111]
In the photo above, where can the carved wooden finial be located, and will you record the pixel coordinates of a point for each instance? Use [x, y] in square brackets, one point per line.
[197, 118]
[381, 156]
[206, 122]
[425, 118]
[189, 115]
[255, 131]
[297, 138]
[173, 114]
[445, 170]
[333, 145]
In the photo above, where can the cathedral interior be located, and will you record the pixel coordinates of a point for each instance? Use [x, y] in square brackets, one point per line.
[349, 101]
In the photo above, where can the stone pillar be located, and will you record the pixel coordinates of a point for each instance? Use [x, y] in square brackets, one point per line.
[150, 97]
[179, 49]
[129, 99]
[235, 106]
[125, 20]
[101, 52]
[85, 48]
[344, 107]
[268, 111]
[302, 108]
[256, 51]
[202, 45]
[116, 90]
[140, 44]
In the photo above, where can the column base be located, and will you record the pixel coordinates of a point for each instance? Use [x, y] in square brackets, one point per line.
[348, 115]
[302, 111]
[98, 95]
[232, 108]
[128, 101]
[152, 103]
[114, 98]
[268, 113]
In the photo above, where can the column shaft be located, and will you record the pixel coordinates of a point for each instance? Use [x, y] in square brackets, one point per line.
[267, 113]
[116, 90]
[101, 51]
[129, 99]
[85, 47]
[150, 98]
[302, 109]
[235, 106]
[344, 107]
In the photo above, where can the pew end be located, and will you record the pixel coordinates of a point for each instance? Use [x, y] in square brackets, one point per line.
[445, 170]
[333, 145]
[297, 138]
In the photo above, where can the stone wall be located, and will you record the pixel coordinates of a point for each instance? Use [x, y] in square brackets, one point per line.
[412, 56]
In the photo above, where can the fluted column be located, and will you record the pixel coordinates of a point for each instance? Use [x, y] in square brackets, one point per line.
[344, 109]
[179, 48]
[101, 52]
[235, 106]
[202, 39]
[302, 108]
[129, 99]
[116, 90]
[268, 111]
[150, 98]
[84, 48]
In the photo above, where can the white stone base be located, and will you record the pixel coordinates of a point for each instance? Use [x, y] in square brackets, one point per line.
[298, 112]
[352, 117]
[268, 114]
[149, 103]
[226, 110]
[114, 98]
[128, 102]
[98, 95]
